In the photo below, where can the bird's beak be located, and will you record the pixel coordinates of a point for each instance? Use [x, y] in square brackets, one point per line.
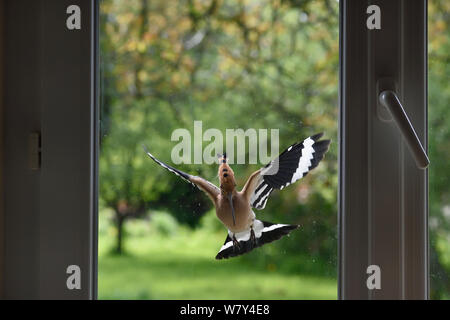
[230, 199]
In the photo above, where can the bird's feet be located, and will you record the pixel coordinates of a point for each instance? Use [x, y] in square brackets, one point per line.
[253, 237]
[236, 243]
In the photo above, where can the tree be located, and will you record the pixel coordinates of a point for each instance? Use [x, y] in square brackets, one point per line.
[229, 64]
[167, 63]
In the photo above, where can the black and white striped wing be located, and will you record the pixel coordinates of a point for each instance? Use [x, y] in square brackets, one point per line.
[265, 232]
[209, 188]
[291, 165]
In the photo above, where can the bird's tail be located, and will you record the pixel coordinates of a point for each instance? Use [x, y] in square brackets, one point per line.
[263, 232]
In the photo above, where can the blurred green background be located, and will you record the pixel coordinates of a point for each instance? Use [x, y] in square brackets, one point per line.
[233, 64]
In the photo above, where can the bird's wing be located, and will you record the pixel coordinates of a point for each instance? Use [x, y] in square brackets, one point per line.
[264, 232]
[209, 188]
[291, 165]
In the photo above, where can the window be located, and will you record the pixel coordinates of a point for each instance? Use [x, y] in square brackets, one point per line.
[373, 224]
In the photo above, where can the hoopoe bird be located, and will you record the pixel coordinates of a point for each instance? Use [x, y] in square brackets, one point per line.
[235, 208]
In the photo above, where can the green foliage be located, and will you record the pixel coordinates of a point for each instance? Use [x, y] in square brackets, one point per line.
[164, 224]
[210, 223]
[251, 64]
[439, 146]
[237, 64]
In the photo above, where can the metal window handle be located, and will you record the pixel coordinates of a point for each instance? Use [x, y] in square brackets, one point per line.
[390, 100]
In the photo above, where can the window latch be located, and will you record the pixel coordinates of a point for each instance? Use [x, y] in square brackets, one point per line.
[390, 100]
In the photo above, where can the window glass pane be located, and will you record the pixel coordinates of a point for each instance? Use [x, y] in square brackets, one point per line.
[172, 69]
[439, 146]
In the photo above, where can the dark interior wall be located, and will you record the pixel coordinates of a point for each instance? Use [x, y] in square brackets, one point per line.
[49, 213]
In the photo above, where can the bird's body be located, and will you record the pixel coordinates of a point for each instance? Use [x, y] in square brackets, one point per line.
[235, 208]
[243, 212]
[230, 199]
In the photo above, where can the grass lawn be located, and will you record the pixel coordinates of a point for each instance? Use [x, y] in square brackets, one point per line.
[182, 266]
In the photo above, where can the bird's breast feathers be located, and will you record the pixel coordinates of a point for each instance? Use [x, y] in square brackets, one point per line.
[243, 212]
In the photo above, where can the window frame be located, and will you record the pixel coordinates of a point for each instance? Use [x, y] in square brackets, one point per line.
[383, 196]
[358, 230]
[50, 208]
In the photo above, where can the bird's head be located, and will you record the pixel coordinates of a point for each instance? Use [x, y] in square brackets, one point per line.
[227, 181]
[226, 175]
